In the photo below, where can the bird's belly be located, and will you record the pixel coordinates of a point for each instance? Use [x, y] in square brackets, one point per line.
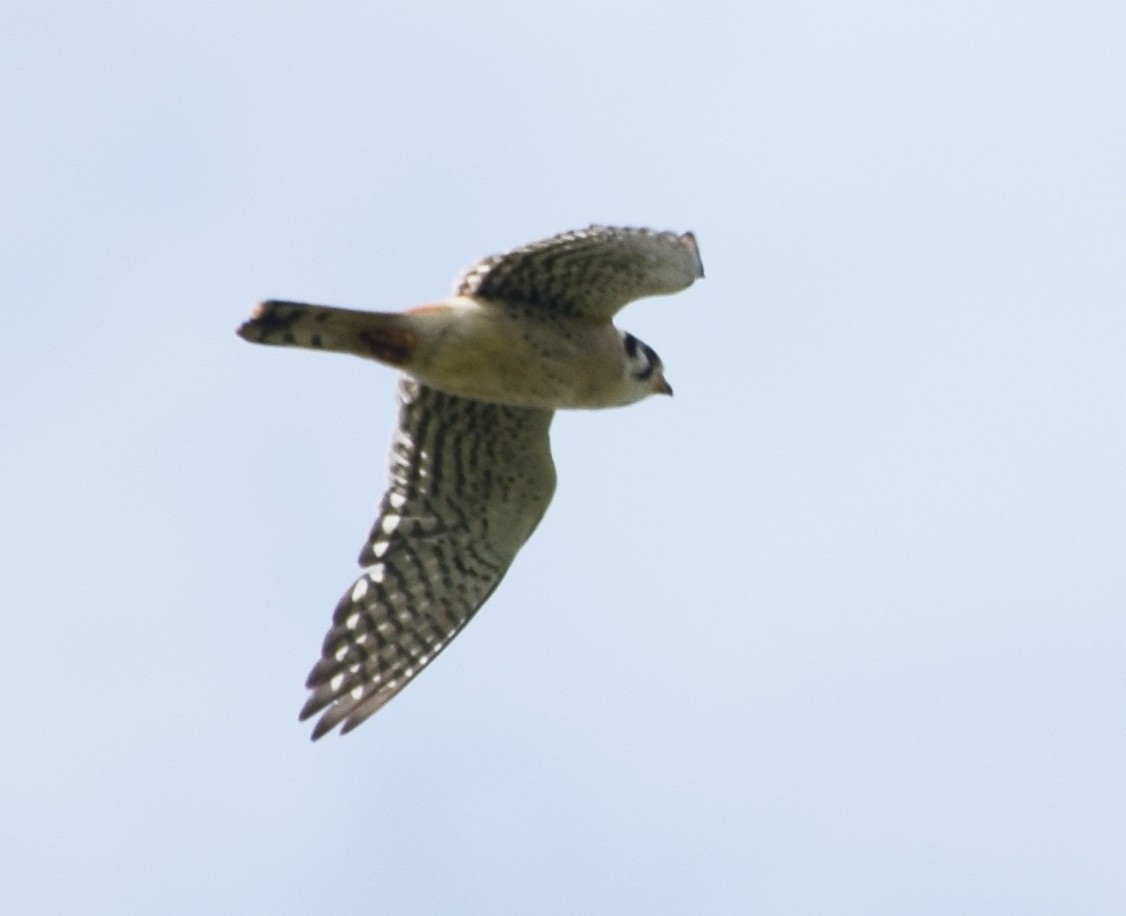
[527, 365]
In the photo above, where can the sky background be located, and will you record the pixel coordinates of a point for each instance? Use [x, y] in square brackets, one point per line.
[841, 628]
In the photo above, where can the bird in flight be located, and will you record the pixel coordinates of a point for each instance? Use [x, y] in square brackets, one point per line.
[525, 333]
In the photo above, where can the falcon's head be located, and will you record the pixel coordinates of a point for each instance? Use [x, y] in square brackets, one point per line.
[645, 373]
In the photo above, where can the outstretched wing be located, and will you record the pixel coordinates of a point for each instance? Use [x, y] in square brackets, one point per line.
[469, 483]
[590, 273]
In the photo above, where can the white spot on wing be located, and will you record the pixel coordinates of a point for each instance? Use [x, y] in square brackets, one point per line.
[390, 523]
[358, 591]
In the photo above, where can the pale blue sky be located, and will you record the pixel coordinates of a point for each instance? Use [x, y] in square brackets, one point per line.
[841, 628]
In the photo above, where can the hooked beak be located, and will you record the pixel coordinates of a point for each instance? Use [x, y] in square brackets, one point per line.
[661, 385]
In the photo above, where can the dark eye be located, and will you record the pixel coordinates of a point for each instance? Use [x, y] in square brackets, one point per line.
[631, 343]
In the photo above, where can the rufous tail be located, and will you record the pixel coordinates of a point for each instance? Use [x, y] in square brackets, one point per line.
[384, 336]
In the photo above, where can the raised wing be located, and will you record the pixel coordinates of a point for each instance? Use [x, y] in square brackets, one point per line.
[590, 272]
[469, 483]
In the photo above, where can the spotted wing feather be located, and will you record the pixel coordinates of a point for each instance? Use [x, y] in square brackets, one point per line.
[590, 272]
[469, 483]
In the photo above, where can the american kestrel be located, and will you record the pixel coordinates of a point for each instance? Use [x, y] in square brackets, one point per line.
[526, 333]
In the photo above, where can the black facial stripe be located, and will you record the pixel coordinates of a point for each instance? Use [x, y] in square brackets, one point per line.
[652, 361]
[640, 355]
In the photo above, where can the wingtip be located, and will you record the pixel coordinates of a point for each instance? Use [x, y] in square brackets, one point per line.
[325, 723]
[689, 239]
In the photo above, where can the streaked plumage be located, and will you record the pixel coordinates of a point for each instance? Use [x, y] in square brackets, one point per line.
[526, 332]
